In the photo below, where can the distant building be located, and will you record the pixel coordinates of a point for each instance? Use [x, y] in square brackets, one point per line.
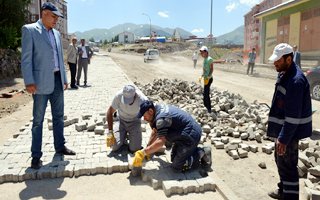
[160, 39]
[252, 27]
[62, 25]
[295, 22]
[126, 37]
[176, 36]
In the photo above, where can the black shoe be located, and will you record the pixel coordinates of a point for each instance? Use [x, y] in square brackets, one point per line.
[66, 151]
[276, 194]
[74, 87]
[36, 163]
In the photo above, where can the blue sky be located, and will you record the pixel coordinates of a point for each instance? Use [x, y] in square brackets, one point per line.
[193, 16]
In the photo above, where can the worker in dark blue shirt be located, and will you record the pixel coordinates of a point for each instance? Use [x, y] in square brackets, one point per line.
[176, 126]
[290, 119]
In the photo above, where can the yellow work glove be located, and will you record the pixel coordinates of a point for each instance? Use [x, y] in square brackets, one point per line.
[205, 81]
[138, 158]
[111, 140]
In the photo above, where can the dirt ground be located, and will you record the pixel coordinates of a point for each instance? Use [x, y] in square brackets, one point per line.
[243, 176]
[12, 104]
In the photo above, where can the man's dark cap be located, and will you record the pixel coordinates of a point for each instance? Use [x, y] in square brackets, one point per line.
[144, 107]
[52, 8]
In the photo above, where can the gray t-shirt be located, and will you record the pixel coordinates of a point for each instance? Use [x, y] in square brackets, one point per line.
[128, 112]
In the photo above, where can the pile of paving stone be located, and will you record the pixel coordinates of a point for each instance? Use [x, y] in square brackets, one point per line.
[233, 125]
[309, 166]
[231, 116]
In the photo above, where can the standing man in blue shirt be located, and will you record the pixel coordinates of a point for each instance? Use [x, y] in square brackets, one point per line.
[290, 119]
[45, 78]
[252, 60]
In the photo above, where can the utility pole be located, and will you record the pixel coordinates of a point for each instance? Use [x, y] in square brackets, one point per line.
[211, 36]
[150, 24]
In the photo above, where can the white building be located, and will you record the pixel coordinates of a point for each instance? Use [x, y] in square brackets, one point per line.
[126, 37]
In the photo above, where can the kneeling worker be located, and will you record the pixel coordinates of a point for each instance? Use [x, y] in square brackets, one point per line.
[179, 128]
[126, 102]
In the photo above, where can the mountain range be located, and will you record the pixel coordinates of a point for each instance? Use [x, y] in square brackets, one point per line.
[233, 37]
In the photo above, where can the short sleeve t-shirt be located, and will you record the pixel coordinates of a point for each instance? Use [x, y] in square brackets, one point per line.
[206, 67]
[128, 112]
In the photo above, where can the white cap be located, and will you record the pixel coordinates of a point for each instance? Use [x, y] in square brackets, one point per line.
[204, 48]
[128, 94]
[280, 50]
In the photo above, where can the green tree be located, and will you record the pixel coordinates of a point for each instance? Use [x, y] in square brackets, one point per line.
[13, 14]
[91, 39]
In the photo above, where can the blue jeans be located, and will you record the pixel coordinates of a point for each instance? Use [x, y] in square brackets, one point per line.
[40, 102]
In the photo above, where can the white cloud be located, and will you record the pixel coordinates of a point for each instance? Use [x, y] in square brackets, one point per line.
[163, 14]
[249, 2]
[231, 6]
[197, 30]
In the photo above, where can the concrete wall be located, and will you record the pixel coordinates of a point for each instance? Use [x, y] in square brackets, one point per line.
[271, 39]
[294, 37]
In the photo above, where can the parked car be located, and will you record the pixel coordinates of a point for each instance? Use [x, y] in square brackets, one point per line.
[95, 49]
[313, 76]
[151, 54]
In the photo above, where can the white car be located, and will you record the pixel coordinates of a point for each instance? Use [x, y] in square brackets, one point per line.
[95, 49]
[151, 54]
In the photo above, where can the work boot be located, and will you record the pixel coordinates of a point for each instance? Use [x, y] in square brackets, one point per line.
[276, 194]
[206, 160]
[36, 163]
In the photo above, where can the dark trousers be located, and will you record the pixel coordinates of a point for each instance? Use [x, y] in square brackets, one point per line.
[250, 65]
[288, 172]
[82, 64]
[184, 157]
[206, 95]
[73, 70]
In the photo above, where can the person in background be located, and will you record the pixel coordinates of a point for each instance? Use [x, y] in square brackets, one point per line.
[207, 71]
[72, 54]
[126, 102]
[171, 124]
[195, 58]
[290, 119]
[45, 78]
[296, 56]
[85, 53]
[252, 60]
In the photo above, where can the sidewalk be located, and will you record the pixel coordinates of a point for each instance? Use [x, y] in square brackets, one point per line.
[93, 173]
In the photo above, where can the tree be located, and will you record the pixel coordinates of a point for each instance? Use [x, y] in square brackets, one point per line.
[13, 14]
[91, 39]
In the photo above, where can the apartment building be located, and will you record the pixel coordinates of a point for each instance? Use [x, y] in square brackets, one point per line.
[295, 22]
[62, 25]
[252, 27]
[292, 21]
